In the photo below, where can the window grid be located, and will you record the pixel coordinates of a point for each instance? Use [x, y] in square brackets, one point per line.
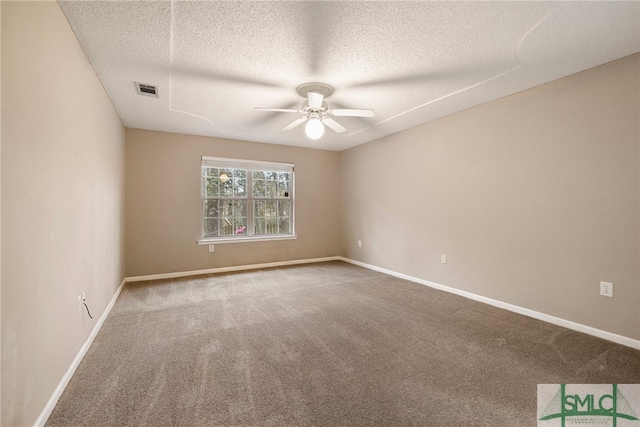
[248, 203]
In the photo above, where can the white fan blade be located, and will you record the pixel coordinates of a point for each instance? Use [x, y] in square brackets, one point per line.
[277, 109]
[335, 126]
[352, 113]
[315, 99]
[295, 123]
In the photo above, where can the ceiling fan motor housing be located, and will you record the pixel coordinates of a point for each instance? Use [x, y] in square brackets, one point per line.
[306, 108]
[316, 111]
[321, 88]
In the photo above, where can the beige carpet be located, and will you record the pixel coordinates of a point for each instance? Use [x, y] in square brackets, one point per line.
[326, 344]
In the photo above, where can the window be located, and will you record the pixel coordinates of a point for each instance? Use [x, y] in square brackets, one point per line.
[246, 200]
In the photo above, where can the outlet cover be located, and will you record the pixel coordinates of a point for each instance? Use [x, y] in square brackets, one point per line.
[606, 289]
[211, 248]
[79, 303]
[443, 259]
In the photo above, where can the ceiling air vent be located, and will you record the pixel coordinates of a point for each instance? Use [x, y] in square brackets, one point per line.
[147, 90]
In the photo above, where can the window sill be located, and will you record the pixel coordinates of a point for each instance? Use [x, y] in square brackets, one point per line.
[245, 240]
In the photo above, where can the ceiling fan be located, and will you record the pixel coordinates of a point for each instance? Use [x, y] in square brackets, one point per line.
[316, 111]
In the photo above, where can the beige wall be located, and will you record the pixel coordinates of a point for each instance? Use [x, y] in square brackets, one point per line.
[62, 203]
[164, 208]
[534, 198]
[0, 218]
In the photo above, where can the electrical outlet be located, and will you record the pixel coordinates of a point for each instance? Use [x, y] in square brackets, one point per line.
[443, 258]
[606, 289]
[79, 303]
[359, 243]
[211, 248]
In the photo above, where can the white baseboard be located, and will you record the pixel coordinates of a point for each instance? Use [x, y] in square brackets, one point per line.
[53, 400]
[619, 339]
[227, 269]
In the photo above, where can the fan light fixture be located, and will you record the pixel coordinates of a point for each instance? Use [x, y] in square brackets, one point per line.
[316, 112]
[223, 177]
[314, 128]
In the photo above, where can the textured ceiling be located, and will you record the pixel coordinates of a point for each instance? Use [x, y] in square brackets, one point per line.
[411, 62]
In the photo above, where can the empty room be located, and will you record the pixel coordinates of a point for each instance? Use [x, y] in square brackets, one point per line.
[320, 213]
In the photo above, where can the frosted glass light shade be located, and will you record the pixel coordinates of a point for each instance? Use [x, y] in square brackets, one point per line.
[314, 128]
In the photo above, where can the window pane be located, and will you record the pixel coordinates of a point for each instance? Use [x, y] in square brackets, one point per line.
[270, 189]
[211, 172]
[225, 175]
[240, 187]
[258, 175]
[226, 188]
[240, 208]
[225, 208]
[211, 227]
[240, 173]
[258, 188]
[240, 226]
[283, 207]
[284, 226]
[211, 187]
[211, 208]
[272, 225]
[271, 208]
[226, 228]
[259, 207]
[284, 189]
[260, 227]
[284, 177]
[271, 175]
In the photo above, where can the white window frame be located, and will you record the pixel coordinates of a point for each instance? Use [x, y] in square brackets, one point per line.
[249, 166]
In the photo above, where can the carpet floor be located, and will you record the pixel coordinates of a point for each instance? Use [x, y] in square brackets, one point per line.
[327, 344]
